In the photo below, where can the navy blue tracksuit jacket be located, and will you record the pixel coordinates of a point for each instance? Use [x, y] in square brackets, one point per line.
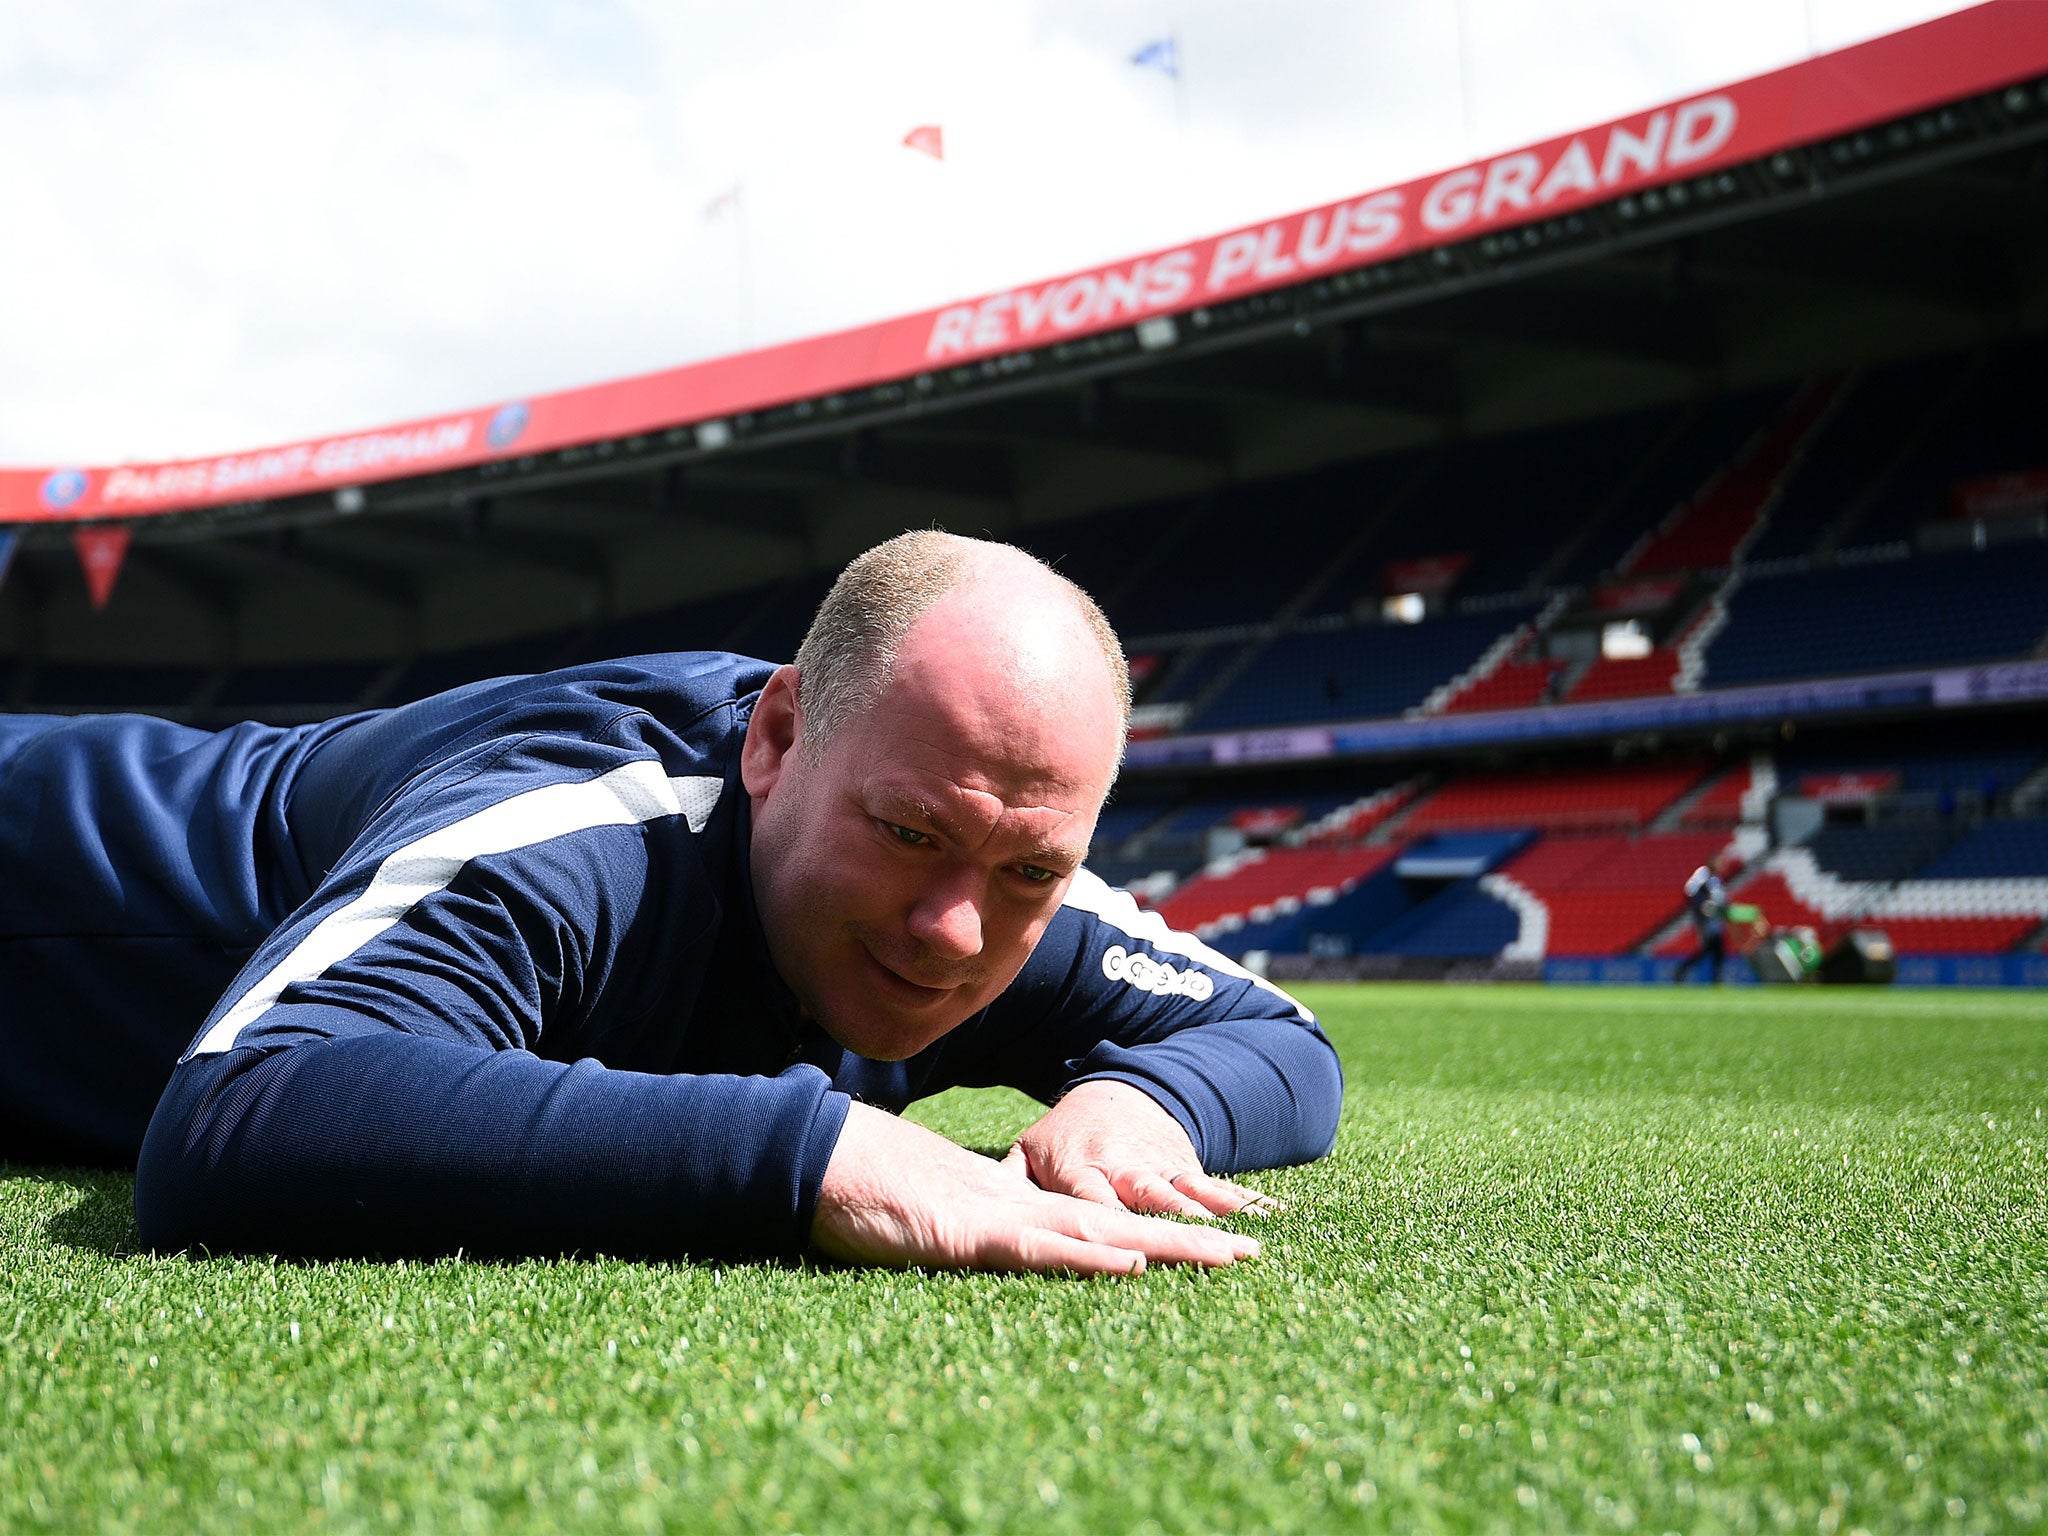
[484, 972]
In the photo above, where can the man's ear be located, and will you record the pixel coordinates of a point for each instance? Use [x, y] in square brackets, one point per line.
[775, 731]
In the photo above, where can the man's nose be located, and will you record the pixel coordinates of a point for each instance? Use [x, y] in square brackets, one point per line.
[946, 918]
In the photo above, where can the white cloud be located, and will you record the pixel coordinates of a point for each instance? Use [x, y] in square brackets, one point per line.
[236, 225]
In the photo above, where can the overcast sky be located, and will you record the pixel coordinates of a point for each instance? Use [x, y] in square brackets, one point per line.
[232, 225]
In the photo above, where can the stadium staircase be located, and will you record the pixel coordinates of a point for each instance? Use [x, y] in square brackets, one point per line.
[1711, 532]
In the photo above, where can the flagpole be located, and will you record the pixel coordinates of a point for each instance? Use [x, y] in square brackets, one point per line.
[1180, 79]
[743, 269]
[1464, 74]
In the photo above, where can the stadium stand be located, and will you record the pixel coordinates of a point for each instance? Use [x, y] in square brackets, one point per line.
[1935, 609]
[1605, 895]
[2008, 848]
[1506, 503]
[1882, 878]
[1804, 528]
[1626, 677]
[1462, 922]
[1261, 883]
[1986, 421]
[1291, 637]
[1939, 781]
[1514, 684]
[1562, 799]
[1118, 823]
[1731, 798]
[1885, 851]
[1883, 412]
[1177, 588]
[1695, 447]
[1187, 673]
[1352, 673]
[1711, 529]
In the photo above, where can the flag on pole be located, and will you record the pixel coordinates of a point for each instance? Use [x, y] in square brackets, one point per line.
[9, 543]
[726, 202]
[100, 553]
[1162, 54]
[927, 140]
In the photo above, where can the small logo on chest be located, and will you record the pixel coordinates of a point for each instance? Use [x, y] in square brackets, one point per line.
[1156, 976]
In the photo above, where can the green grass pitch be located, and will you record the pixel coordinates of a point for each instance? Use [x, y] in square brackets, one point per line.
[1582, 1260]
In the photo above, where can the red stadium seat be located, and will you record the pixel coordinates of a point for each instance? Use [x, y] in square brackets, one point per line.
[1605, 895]
[1241, 889]
[1587, 800]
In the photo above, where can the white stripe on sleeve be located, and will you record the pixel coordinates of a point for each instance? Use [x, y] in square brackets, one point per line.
[638, 792]
[1092, 894]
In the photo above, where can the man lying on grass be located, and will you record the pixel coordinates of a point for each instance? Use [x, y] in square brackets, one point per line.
[638, 956]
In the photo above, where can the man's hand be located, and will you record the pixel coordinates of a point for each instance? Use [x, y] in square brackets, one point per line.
[1114, 1145]
[895, 1193]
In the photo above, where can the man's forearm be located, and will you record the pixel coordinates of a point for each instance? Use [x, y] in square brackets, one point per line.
[1250, 1093]
[388, 1144]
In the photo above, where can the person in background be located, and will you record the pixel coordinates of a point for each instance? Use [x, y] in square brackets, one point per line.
[1706, 901]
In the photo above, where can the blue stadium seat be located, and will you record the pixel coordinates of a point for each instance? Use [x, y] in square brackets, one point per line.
[2007, 848]
[1883, 409]
[1983, 772]
[1358, 672]
[1709, 440]
[1461, 922]
[1872, 617]
[1884, 851]
[1116, 824]
[1990, 426]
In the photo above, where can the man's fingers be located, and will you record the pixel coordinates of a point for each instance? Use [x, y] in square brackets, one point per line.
[1149, 1192]
[1165, 1242]
[1016, 1164]
[1039, 1250]
[1223, 1197]
[1091, 1184]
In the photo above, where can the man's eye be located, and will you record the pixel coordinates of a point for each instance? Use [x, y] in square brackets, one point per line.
[908, 835]
[1036, 875]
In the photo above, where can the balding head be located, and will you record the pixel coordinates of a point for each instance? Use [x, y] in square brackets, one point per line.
[924, 783]
[999, 602]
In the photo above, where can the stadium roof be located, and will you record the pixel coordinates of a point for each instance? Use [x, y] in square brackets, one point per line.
[1879, 201]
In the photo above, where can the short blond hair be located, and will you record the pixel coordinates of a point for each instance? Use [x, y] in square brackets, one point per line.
[849, 653]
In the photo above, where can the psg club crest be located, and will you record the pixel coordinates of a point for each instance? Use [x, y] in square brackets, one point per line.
[62, 488]
[507, 422]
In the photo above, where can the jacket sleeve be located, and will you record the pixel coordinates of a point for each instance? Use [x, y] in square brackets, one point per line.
[1113, 993]
[374, 1081]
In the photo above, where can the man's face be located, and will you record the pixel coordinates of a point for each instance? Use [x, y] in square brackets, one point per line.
[905, 876]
